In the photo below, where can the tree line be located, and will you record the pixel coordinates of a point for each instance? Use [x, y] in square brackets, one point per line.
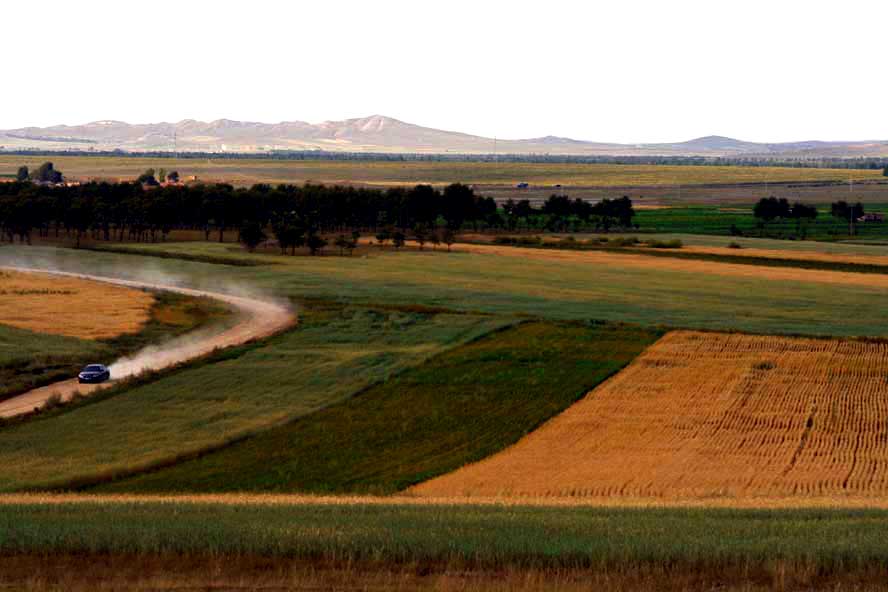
[769, 209]
[296, 215]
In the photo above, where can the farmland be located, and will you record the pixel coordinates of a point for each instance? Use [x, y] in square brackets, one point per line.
[463, 545]
[781, 417]
[460, 406]
[414, 373]
[248, 172]
[718, 220]
[335, 353]
[29, 359]
[93, 310]
[562, 285]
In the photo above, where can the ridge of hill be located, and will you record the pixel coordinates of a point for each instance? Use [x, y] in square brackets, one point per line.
[379, 133]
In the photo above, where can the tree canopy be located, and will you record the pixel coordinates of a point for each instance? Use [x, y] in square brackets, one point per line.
[47, 173]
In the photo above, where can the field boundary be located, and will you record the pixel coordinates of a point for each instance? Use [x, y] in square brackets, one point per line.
[676, 253]
[212, 259]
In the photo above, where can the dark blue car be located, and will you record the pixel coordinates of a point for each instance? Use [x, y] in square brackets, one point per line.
[94, 373]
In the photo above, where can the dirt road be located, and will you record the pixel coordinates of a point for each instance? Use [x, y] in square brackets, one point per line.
[257, 318]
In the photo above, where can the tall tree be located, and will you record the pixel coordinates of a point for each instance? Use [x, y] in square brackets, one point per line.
[252, 235]
[844, 211]
[421, 234]
[768, 209]
[47, 173]
[803, 215]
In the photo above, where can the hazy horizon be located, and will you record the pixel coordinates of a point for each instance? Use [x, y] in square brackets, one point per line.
[637, 72]
[419, 123]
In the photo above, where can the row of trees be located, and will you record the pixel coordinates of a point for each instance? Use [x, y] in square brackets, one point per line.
[296, 215]
[153, 179]
[46, 173]
[769, 209]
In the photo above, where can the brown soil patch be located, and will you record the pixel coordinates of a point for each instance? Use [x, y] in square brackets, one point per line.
[708, 415]
[71, 306]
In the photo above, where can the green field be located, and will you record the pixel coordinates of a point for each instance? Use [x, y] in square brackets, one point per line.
[333, 354]
[718, 220]
[570, 289]
[790, 547]
[248, 172]
[406, 365]
[460, 407]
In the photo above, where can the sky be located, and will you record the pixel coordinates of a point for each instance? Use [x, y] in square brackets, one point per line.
[613, 71]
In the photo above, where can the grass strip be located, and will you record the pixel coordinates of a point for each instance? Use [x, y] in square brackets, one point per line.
[814, 541]
[201, 258]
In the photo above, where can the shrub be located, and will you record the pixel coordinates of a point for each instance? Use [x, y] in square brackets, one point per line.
[670, 244]
[734, 245]
[623, 241]
[54, 400]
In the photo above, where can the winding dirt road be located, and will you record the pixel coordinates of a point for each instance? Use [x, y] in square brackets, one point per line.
[257, 319]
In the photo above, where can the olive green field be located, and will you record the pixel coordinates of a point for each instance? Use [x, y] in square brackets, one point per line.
[387, 173]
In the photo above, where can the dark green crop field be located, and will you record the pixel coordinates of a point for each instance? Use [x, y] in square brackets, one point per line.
[719, 220]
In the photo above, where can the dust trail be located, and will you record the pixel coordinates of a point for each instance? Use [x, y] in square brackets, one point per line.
[257, 318]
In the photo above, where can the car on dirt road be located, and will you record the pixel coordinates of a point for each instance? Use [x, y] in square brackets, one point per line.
[94, 373]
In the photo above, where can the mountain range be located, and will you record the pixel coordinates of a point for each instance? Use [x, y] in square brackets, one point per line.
[379, 133]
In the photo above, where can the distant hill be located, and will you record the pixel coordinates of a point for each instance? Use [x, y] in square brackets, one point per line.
[378, 133]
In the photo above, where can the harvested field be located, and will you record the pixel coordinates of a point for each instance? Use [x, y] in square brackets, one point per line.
[702, 415]
[91, 310]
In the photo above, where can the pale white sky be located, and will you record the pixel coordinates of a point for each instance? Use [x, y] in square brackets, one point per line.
[620, 70]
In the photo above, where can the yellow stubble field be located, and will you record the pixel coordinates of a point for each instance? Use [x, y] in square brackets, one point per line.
[709, 416]
[70, 306]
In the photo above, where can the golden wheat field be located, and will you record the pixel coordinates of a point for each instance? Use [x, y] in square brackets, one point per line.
[70, 306]
[709, 415]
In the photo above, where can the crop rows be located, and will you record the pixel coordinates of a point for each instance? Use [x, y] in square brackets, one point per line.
[706, 414]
